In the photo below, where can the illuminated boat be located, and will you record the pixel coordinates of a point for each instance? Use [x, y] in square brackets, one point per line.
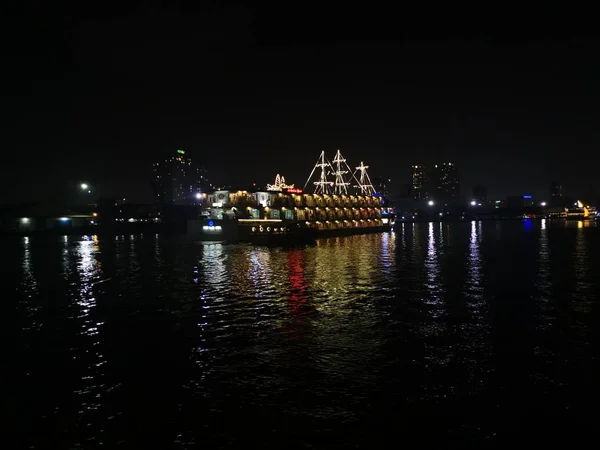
[284, 213]
[579, 211]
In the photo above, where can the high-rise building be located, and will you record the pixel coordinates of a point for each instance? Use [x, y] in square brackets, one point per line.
[556, 195]
[420, 183]
[177, 181]
[447, 185]
[555, 189]
[439, 182]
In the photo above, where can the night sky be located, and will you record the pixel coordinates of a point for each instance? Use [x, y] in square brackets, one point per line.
[99, 94]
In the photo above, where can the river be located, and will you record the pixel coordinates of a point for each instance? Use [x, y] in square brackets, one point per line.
[436, 335]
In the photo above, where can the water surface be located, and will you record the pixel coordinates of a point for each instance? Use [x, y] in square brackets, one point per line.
[436, 335]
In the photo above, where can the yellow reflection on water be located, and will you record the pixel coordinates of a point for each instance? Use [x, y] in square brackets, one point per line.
[347, 266]
[346, 286]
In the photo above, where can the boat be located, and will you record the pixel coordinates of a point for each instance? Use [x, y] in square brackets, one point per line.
[284, 213]
[579, 211]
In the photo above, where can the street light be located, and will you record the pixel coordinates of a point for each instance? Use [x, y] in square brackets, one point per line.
[473, 203]
[198, 196]
[84, 186]
[543, 204]
[430, 202]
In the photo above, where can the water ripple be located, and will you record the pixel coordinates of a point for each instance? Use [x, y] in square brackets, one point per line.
[160, 341]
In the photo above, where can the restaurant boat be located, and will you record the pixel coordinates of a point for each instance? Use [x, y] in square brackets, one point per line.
[285, 213]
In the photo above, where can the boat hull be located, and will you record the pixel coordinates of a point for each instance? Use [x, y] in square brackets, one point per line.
[307, 235]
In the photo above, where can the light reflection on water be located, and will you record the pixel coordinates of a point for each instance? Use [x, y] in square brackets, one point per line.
[182, 340]
[474, 265]
[432, 264]
[544, 276]
[91, 388]
[28, 287]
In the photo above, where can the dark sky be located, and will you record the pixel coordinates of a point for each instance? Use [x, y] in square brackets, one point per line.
[97, 92]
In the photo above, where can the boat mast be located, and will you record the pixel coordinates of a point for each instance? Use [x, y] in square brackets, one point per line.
[364, 183]
[340, 185]
[323, 185]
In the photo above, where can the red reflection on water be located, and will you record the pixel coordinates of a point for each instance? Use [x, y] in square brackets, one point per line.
[298, 290]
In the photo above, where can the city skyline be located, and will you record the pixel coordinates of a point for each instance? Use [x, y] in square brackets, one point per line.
[439, 182]
[395, 186]
[100, 97]
[178, 180]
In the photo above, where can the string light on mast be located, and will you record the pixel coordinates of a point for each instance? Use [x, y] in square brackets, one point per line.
[364, 183]
[342, 174]
[323, 186]
[340, 184]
